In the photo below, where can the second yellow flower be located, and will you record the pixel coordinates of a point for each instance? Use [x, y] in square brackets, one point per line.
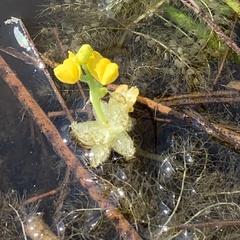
[102, 69]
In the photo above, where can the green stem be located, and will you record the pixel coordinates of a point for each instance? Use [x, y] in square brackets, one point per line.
[94, 96]
[96, 102]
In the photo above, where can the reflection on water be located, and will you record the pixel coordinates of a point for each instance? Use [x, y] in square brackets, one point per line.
[24, 151]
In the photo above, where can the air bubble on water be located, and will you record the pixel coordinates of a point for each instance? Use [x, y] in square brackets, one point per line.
[164, 209]
[61, 228]
[188, 158]
[120, 192]
[167, 169]
[121, 175]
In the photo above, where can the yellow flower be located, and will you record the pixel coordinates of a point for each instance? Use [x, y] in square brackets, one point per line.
[84, 53]
[102, 69]
[69, 71]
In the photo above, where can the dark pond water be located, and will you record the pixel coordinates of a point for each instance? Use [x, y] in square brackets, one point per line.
[24, 9]
[21, 142]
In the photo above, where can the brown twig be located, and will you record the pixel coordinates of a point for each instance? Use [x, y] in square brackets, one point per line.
[198, 98]
[160, 107]
[55, 32]
[85, 178]
[221, 66]
[48, 62]
[46, 194]
[58, 95]
[41, 196]
[82, 93]
[153, 104]
[36, 60]
[62, 197]
[223, 134]
[163, 105]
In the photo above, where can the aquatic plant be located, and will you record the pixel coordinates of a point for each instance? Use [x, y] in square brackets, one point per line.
[109, 130]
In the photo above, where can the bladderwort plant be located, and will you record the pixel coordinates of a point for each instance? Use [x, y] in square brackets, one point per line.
[110, 129]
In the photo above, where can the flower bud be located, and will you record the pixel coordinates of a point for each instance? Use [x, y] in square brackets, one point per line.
[84, 53]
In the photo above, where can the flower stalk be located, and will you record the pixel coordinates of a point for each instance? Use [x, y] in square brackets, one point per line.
[95, 88]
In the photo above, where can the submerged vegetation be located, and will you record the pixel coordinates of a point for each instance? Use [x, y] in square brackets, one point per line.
[184, 180]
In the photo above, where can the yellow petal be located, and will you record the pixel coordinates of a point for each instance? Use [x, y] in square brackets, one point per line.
[92, 62]
[110, 74]
[84, 53]
[101, 67]
[68, 71]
